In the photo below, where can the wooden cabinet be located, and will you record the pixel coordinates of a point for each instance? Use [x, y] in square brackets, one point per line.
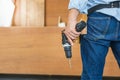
[54, 9]
[39, 51]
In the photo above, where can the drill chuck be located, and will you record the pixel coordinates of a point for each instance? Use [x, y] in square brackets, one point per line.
[66, 46]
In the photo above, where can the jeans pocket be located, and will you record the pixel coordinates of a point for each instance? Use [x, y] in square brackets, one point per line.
[97, 27]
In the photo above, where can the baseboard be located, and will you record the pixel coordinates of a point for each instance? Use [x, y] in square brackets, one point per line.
[45, 77]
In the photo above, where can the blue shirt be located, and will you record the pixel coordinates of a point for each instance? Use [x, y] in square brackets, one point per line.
[84, 5]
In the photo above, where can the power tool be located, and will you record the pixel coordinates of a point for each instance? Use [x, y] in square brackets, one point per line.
[66, 44]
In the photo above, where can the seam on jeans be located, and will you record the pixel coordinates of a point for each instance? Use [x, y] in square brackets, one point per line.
[107, 26]
[116, 33]
[93, 39]
[99, 17]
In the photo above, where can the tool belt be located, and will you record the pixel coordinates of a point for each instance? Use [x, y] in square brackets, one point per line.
[115, 4]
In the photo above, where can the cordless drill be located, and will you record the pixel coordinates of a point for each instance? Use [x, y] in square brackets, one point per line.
[66, 44]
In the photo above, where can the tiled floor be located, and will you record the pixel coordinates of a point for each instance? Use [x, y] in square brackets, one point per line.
[43, 77]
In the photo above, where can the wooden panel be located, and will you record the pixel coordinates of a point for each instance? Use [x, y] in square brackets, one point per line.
[29, 13]
[111, 66]
[35, 51]
[33, 12]
[54, 9]
[39, 51]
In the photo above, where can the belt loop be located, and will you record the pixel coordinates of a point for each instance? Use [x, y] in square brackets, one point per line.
[112, 5]
[119, 4]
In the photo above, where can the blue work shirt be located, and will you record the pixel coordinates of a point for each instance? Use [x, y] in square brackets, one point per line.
[84, 5]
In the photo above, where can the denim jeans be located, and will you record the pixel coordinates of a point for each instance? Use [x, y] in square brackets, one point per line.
[103, 31]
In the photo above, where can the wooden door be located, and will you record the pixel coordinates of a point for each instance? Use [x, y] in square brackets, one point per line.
[29, 13]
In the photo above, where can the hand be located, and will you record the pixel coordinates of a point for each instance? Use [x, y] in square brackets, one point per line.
[71, 33]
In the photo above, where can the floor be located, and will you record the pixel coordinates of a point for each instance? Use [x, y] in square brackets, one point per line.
[45, 77]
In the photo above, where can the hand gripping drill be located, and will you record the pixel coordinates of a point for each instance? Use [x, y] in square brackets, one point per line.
[66, 45]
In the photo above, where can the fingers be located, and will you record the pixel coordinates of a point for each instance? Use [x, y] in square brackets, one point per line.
[71, 34]
[70, 40]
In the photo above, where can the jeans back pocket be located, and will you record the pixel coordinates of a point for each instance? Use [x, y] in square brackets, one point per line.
[97, 26]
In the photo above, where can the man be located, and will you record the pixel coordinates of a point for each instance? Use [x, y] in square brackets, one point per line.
[103, 31]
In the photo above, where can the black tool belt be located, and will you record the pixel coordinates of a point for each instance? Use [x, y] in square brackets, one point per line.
[115, 4]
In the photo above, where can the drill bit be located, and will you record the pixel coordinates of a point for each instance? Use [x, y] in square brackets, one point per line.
[69, 61]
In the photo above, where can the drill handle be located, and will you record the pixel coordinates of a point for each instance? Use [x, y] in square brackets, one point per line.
[80, 26]
[64, 38]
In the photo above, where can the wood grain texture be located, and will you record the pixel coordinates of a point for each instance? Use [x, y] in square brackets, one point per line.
[29, 13]
[40, 12]
[54, 9]
[39, 51]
